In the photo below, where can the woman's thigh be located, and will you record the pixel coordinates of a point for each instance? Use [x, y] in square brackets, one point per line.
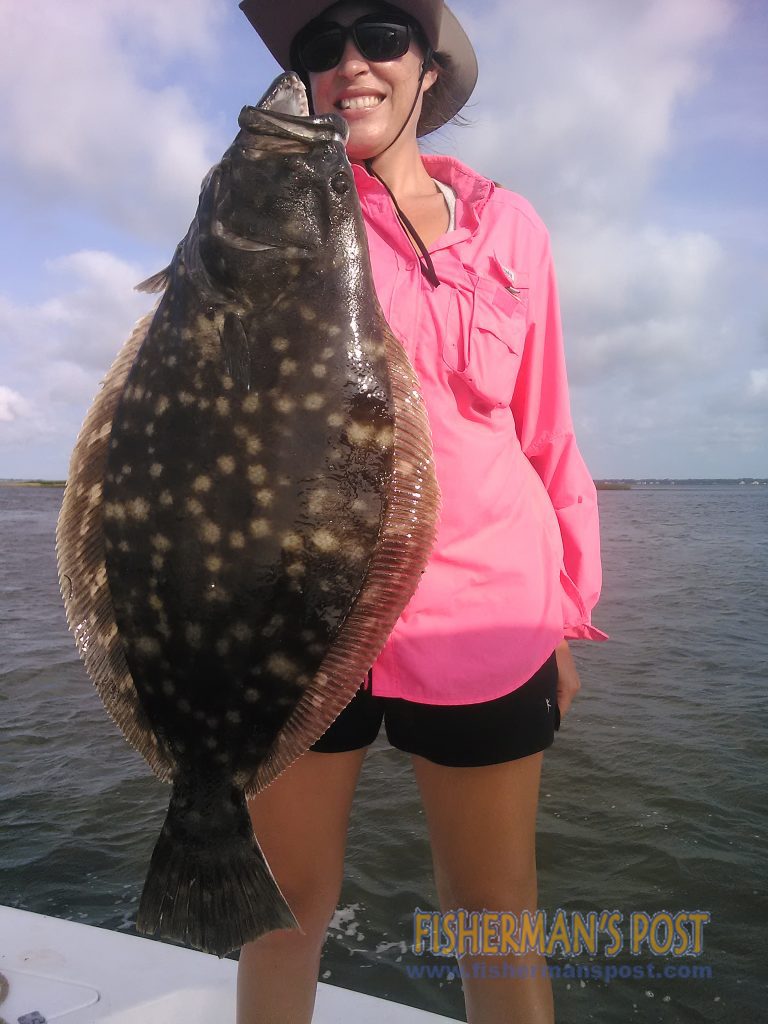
[482, 827]
[301, 821]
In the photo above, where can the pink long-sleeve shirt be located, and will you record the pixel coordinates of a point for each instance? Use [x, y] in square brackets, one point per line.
[516, 563]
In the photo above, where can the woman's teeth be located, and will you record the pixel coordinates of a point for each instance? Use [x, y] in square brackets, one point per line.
[359, 102]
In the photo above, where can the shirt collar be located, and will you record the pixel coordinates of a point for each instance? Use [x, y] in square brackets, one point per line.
[472, 190]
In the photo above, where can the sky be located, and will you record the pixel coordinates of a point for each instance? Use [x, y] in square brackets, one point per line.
[637, 128]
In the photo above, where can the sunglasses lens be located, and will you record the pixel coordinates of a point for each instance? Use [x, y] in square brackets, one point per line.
[380, 42]
[322, 51]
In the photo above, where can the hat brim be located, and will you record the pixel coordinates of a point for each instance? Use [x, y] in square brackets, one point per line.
[278, 24]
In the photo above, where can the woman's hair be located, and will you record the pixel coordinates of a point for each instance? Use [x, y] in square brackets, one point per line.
[439, 97]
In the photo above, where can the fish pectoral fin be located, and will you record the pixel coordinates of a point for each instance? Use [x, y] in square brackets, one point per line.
[157, 282]
[237, 354]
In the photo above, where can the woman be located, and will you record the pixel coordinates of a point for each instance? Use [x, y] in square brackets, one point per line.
[477, 671]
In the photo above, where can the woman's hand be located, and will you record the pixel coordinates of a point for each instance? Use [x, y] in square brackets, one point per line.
[568, 682]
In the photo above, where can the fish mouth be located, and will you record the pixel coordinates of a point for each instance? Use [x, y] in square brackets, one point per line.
[283, 111]
[235, 241]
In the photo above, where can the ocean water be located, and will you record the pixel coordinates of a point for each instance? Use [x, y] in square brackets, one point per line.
[653, 796]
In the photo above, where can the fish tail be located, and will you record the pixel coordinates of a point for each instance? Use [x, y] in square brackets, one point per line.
[209, 885]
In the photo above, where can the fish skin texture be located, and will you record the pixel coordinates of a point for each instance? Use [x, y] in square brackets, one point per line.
[250, 504]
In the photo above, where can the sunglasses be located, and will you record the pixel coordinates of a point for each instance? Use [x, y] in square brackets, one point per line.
[321, 44]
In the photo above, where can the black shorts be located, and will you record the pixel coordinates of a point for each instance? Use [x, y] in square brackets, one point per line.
[515, 725]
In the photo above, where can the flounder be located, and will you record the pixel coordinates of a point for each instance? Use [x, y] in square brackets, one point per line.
[250, 504]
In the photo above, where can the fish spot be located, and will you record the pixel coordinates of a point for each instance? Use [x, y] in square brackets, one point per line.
[210, 531]
[234, 717]
[149, 429]
[335, 419]
[226, 464]
[155, 603]
[161, 542]
[171, 360]
[161, 405]
[324, 540]
[166, 498]
[124, 546]
[237, 539]
[307, 313]
[211, 742]
[213, 563]
[257, 474]
[222, 646]
[359, 433]
[186, 398]
[201, 484]
[157, 561]
[283, 403]
[328, 352]
[250, 403]
[259, 527]
[318, 370]
[253, 444]
[280, 344]
[227, 383]
[194, 506]
[241, 631]
[281, 666]
[314, 401]
[385, 438]
[354, 549]
[317, 500]
[252, 695]
[215, 593]
[265, 496]
[168, 687]
[288, 367]
[139, 509]
[334, 331]
[147, 646]
[295, 569]
[292, 541]
[193, 633]
[222, 406]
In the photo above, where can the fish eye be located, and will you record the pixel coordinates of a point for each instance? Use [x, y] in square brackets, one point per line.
[340, 183]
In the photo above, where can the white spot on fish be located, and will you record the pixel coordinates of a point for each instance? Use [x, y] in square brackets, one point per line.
[161, 405]
[251, 695]
[226, 464]
[166, 499]
[157, 561]
[155, 470]
[168, 688]
[210, 531]
[241, 631]
[318, 370]
[234, 717]
[186, 398]
[281, 666]
[335, 419]
[237, 539]
[160, 542]
[222, 406]
[288, 367]
[328, 351]
[147, 646]
[257, 474]
[314, 401]
[265, 496]
[201, 484]
[259, 527]
[250, 403]
[194, 506]
[324, 540]
[280, 344]
[138, 508]
[295, 569]
[213, 563]
[359, 433]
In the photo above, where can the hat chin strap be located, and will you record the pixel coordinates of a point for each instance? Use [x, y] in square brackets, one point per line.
[425, 260]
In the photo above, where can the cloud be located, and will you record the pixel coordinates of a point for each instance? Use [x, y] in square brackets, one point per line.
[758, 384]
[13, 406]
[84, 113]
[575, 101]
[55, 352]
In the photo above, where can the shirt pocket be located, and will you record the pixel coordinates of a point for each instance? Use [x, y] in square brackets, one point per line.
[485, 336]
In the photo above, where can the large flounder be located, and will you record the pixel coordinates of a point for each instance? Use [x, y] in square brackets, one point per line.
[250, 504]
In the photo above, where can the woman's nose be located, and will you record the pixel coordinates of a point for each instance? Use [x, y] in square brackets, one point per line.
[352, 62]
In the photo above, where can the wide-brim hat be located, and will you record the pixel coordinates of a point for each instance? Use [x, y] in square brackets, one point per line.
[278, 24]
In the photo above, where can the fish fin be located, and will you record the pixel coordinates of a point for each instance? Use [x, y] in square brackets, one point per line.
[81, 559]
[157, 282]
[408, 531]
[237, 354]
[209, 884]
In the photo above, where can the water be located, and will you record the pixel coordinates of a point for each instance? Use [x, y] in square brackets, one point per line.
[653, 796]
